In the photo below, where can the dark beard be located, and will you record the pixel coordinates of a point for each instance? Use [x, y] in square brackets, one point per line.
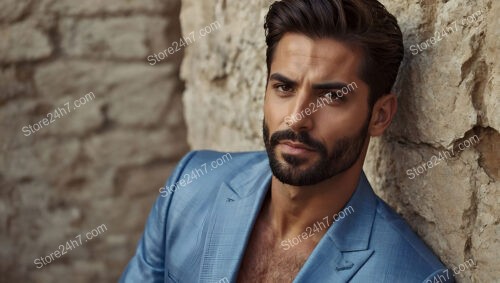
[345, 153]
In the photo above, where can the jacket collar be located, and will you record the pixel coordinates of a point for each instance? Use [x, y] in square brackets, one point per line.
[230, 224]
[345, 246]
[338, 255]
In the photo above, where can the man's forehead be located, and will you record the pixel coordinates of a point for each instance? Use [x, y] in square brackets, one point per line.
[320, 57]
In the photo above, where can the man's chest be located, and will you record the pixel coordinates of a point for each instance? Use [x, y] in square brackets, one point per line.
[262, 265]
[264, 261]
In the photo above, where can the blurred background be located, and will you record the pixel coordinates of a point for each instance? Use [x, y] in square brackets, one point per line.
[100, 99]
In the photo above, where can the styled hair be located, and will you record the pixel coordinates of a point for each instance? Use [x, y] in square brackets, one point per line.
[364, 24]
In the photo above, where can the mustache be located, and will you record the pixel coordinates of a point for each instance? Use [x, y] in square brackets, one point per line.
[302, 137]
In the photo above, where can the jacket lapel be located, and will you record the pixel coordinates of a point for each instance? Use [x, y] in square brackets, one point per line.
[344, 248]
[236, 208]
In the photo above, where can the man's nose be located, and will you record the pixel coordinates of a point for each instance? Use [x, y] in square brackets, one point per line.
[300, 118]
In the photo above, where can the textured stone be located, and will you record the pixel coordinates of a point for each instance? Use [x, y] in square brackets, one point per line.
[121, 86]
[486, 236]
[60, 155]
[123, 37]
[61, 117]
[77, 78]
[447, 94]
[454, 93]
[97, 7]
[13, 85]
[62, 78]
[22, 42]
[490, 103]
[78, 121]
[123, 147]
[233, 70]
[100, 163]
[129, 95]
[11, 10]
[130, 181]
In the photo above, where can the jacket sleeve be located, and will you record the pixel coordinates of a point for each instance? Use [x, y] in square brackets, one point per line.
[148, 263]
[441, 276]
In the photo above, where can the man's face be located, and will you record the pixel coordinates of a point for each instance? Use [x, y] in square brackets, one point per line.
[311, 137]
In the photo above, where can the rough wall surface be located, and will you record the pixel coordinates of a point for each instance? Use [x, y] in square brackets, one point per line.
[100, 161]
[448, 115]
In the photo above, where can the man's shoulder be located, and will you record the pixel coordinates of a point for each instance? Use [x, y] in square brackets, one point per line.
[200, 174]
[391, 228]
[400, 251]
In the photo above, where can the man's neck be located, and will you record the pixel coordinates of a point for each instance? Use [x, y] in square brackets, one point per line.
[292, 209]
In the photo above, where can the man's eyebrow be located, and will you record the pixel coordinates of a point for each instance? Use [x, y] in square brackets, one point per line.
[281, 78]
[329, 85]
[319, 86]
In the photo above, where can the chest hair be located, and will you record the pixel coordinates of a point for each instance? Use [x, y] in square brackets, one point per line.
[265, 261]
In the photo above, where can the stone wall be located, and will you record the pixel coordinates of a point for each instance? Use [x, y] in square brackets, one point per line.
[100, 161]
[448, 99]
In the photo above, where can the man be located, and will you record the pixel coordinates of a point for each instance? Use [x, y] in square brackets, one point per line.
[303, 212]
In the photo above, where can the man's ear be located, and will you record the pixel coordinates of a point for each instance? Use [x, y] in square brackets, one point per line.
[382, 114]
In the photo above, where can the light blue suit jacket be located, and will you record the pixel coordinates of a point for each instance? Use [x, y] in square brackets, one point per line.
[198, 229]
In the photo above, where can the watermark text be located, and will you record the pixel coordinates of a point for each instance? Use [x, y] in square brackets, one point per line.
[324, 100]
[189, 177]
[316, 228]
[57, 113]
[177, 46]
[442, 155]
[443, 33]
[445, 275]
[69, 245]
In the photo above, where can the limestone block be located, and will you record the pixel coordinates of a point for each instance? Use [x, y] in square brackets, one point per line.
[122, 86]
[133, 147]
[96, 7]
[11, 10]
[62, 78]
[120, 37]
[43, 159]
[13, 84]
[22, 41]
[153, 91]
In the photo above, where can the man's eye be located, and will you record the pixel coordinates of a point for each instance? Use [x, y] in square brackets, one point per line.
[284, 88]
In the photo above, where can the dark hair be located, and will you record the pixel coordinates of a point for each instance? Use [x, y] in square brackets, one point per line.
[365, 24]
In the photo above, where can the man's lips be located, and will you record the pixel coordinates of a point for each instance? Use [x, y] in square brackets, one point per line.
[296, 146]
